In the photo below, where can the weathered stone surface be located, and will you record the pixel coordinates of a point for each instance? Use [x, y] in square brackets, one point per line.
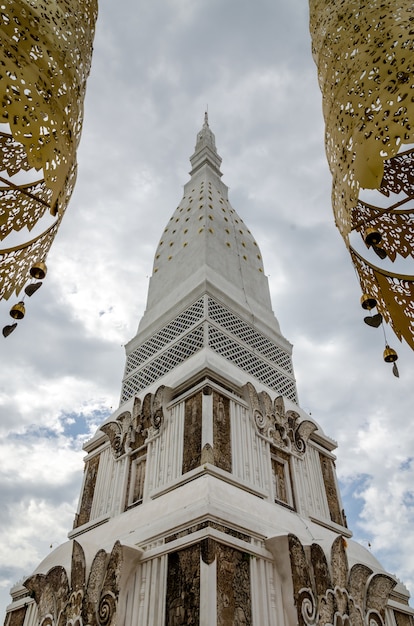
[327, 596]
[130, 432]
[274, 422]
[87, 495]
[208, 550]
[357, 582]
[379, 589]
[402, 619]
[328, 475]
[93, 589]
[207, 454]
[51, 593]
[339, 563]
[192, 433]
[280, 467]
[61, 602]
[16, 618]
[233, 587]
[183, 587]
[221, 432]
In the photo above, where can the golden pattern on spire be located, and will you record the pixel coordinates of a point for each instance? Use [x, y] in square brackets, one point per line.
[45, 59]
[363, 51]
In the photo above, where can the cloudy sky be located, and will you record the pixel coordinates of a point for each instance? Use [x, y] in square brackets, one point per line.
[156, 67]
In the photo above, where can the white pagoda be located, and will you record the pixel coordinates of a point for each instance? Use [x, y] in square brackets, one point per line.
[209, 496]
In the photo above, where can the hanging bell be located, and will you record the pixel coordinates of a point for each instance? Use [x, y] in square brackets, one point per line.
[17, 311]
[372, 237]
[368, 302]
[38, 270]
[390, 355]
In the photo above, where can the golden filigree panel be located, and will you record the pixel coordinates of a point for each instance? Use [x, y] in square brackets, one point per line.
[393, 292]
[364, 54]
[16, 262]
[44, 63]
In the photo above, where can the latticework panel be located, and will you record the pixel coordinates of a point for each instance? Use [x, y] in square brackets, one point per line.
[168, 360]
[249, 335]
[251, 363]
[45, 58]
[363, 51]
[167, 334]
[184, 336]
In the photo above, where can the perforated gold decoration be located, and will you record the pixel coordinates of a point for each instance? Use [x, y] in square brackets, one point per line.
[44, 63]
[364, 54]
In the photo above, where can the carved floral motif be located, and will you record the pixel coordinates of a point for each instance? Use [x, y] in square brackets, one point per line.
[335, 595]
[130, 432]
[275, 423]
[91, 602]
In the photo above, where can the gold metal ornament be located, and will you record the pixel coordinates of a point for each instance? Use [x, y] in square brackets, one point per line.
[368, 302]
[38, 270]
[45, 58]
[372, 237]
[18, 311]
[390, 355]
[363, 52]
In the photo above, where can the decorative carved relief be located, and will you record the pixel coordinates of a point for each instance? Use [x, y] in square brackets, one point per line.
[17, 617]
[137, 480]
[272, 421]
[130, 432]
[207, 454]
[88, 490]
[208, 550]
[403, 619]
[183, 587]
[192, 433]
[221, 432]
[281, 477]
[328, 475]
[333, 595]
[93, 602]
[233, 587]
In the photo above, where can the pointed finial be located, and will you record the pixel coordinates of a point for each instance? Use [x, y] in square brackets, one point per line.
[205, 149]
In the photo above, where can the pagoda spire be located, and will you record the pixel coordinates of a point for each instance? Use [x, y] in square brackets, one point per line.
[210, 496]
[205, 152]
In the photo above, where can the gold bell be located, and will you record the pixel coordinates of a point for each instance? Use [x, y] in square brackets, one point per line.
[390, 355]
[17, 311]
[372, 237]
[38, 270]
[368, 302]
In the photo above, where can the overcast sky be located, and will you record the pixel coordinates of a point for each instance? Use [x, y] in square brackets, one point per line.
[157, 65]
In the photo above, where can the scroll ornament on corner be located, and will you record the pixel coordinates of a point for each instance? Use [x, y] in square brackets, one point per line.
[131, 430]
[271, 419]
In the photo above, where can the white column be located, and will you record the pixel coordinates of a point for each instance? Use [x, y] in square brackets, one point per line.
[207, 420]
[208, 593]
